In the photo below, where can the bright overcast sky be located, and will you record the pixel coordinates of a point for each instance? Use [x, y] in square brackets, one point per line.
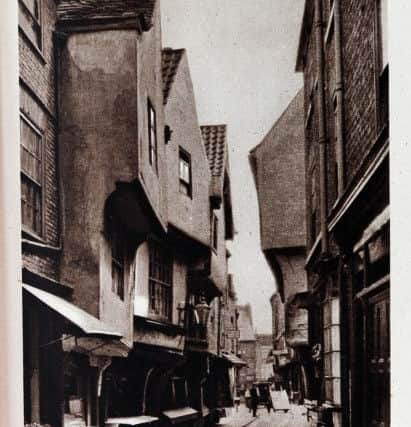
[242, 56]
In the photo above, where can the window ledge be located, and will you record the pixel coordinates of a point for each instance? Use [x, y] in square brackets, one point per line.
[29, 235]
[40, 247]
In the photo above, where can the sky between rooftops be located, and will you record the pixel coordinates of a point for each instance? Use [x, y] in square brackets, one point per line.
[242, 57]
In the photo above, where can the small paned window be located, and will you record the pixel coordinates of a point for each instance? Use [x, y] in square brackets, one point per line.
[185, 173]
[215, 232]
[117, 265]
[30, 20]
[331, 334]
[31, 176]
[160, 282]
[152, 135]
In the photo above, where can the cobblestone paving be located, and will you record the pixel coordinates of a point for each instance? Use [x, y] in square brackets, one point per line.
[294, 418]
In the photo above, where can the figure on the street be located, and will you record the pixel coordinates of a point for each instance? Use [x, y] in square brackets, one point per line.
[236, 402]
[269, 403]
[248, 399]
[254, 400]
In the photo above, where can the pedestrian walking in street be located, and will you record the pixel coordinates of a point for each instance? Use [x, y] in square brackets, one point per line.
[254, 400]
[236, 402]
[248, 399]
[269, 403]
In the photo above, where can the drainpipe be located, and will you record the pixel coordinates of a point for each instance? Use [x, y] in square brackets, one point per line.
[339, 96]
[322, 139]
[346, 309]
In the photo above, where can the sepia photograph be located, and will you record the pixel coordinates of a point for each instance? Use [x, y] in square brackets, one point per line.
[195, 213]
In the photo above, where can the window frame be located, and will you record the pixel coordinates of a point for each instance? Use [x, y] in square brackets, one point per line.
[332, 349]
[118, 264]
[180, 393]
[161, 263]
[37, 24]
[152, 135]
[185, 156]
[40, 185]
[214, 232]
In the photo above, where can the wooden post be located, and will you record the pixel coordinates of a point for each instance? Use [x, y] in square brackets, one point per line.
[11, 331]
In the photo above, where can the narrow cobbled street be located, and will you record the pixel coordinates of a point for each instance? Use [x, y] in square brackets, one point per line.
[195, 212]
[295, 417]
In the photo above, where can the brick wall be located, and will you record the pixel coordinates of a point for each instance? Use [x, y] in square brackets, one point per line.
[359, 59]
[311, 138]
[38, 70]
[38, 104]
[359, 74]
[330, 85]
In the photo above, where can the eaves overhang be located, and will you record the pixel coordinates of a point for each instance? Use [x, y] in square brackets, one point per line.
[130, 208]
[276, 270]
[94, 15]
[188, 244]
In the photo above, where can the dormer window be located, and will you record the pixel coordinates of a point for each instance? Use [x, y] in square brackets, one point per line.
[185, 172]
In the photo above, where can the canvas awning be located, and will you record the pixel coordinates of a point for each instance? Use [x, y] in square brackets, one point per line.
[234, 360]
[130, 421]
[179, 415]
[85, 322]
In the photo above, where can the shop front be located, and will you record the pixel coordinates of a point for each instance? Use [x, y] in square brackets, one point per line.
[65, 360]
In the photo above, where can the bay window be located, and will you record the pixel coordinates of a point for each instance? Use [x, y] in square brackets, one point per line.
[160, 282]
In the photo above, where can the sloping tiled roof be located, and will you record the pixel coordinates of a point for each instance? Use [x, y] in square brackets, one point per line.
[170, 58]
[214, 138]
[245, 323]
[83, 10]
